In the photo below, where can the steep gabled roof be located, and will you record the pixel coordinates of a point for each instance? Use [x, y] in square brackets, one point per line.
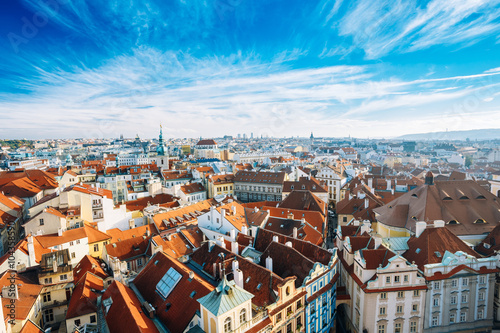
[125, 313]
[180, 306]
[84, 298]
[430, 246]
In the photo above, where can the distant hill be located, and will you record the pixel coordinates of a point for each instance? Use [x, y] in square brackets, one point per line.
[481, 134]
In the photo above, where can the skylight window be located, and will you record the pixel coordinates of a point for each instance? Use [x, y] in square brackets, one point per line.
[168, 282]
[437, 254]
[259, 286]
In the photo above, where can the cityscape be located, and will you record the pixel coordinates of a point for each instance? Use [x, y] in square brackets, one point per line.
[236, 166]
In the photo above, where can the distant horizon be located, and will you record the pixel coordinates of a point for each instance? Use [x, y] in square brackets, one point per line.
[283, 137]
[277, 68]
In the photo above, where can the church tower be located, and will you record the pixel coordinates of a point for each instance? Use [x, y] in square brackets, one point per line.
[161, 153]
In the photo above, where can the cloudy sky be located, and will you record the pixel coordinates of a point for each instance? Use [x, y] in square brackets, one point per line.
[92, 68]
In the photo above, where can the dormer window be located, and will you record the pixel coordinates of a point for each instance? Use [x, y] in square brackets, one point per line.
[453, 222]
[480, 221]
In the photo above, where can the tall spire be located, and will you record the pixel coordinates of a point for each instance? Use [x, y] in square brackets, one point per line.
[161, 147]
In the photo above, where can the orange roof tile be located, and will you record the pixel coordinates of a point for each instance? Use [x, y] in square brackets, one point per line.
[125, 313]
[28, 293]
[84, 298]
[89, 264]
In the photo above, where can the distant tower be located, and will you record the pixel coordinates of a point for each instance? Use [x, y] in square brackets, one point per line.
[312, 138]
[69, 160]
[161, 156]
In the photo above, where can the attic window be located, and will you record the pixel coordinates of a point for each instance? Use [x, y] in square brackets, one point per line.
[464, 197]
[167, 307]
[480, 197]
[248, 279]
[414, 195]
[480, 221]
[414, 217]
[259, 286]
[437, 254]
[417, 250]
[156, 262]
[453, 222]
[447, 198]
[193, 294]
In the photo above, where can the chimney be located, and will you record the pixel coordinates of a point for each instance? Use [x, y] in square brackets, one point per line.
[429, 178]
[31, 252]
[275, 239]
[269, 263]
[233, 208]
[236, 265]
[289, 216]
[59, 232]
[255, 210]
[148, 233]
[350, 196]
[244, 230]
[392, 191]
[8, 293]
[367, 203]
[238, 278]
[220, 242]
[289, 244]
[232, 234]
[370, 183]
[191, 275]
[294, 232]
[419, 228]
[131, 224]
[355, 223]
[222, 213]
[54, 263]
[234, 247]
[439, 224]
[388, 184]
[378, 242]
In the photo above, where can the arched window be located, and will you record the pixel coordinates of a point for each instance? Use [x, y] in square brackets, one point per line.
[243, 316]
[227, 325]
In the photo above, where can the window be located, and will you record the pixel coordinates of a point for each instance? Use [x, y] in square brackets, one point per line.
[243, 316]
[46, 297]
[396, 279]
[436, 285]
[401, 294]
[227, 325]
[96, 247]
[413, 326]
[388, 279]
[399, 309]
[299, 321]
[480, 314]
[452, 318]
[435, 301]
[48, 280]
[92, 319]
[139, 262]
[49, 315]
[77, 241]
[465, 281]
[405, 278]
[381, 328]
[299, 304]
[454, 283]
[482, 279]
[71, 243]
[278, 317]
[416, 293]
[464, 298]
[289, 328]
[383, 295]
[463, 317]
[397, 328]
[453, 299]
[41, 222]
[434, 320]
[414, 307]
[481, 295]
[168, 282]
[382, 311]
[73, 255]
[77, 322]
[63, 277]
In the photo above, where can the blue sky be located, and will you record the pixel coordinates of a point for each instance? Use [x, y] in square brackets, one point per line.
[74, 68]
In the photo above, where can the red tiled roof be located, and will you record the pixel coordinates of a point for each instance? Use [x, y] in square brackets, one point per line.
[129, 248]
[31, 327]
[181, 305]
[84, 298]
[192, 188]
[89, 264]
[28, 293]
[125, 313]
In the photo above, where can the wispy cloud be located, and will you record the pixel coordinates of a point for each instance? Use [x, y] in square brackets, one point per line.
[380, 27]
[213, 95]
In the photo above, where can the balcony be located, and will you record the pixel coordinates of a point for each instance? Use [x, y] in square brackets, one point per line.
[54, 304]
